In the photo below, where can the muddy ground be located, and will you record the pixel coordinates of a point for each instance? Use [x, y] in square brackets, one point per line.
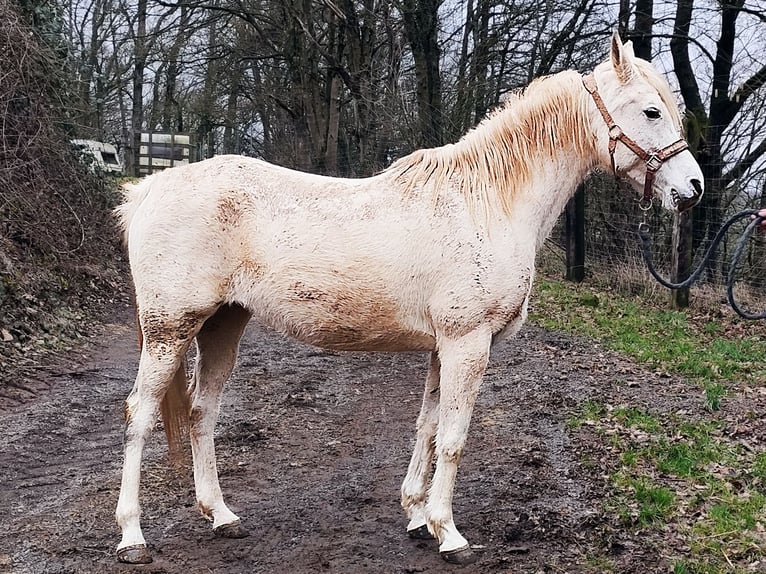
[312, 447]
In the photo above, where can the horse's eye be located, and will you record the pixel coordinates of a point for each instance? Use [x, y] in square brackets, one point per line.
[652, 113]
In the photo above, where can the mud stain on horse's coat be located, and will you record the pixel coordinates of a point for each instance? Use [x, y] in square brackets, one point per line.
[348, 319]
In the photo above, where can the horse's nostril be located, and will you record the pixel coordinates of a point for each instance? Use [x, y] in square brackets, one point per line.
[697, 185]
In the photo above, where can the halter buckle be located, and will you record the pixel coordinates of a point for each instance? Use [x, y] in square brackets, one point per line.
[653, 162]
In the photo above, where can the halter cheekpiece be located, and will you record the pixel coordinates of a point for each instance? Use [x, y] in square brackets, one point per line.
[653, 158]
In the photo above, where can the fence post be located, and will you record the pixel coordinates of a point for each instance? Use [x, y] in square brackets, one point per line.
[574, 236]
[681, 261]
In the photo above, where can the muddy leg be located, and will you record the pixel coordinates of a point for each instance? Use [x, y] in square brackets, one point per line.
[463, 363]
[156, 369]
[415, 484]
[217, 347]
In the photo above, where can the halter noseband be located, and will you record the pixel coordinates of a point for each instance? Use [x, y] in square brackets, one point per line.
[653, 158]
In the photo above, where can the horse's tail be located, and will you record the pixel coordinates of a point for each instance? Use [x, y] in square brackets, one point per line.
[133, 195]
[174, 408]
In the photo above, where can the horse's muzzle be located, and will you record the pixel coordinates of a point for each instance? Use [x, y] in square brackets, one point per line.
[686, 203]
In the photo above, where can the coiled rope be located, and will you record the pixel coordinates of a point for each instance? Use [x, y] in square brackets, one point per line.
[646, 248]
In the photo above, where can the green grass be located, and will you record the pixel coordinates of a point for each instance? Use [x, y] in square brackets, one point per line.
[656, 502]
[680, 468]
[663, 339]
[636, 418]
[674, 472]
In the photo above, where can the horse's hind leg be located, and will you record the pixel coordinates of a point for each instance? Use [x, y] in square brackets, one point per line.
[217, 347]
[415, 484]
[161, 358]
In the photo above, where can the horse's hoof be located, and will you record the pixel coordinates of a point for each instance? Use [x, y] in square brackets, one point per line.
[420, 533]
[231, 530]
[460, 556]
[136, 554]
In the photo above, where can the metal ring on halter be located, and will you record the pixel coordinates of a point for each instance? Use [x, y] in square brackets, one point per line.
[643, 227]
[645, 203]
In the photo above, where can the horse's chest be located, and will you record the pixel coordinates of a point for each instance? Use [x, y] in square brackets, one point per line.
[509, 311]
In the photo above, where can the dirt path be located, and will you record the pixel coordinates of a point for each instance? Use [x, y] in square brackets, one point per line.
[312, 447]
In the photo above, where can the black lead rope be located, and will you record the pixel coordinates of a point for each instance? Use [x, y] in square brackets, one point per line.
[646, 248]
[735, 256]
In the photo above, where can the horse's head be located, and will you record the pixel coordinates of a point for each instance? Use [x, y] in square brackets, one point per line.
[638, 130]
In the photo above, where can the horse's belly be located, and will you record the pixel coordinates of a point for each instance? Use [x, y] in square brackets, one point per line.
[355, 319]
[344, 337]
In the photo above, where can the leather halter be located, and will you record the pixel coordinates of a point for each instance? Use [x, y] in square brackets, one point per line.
[653, 158]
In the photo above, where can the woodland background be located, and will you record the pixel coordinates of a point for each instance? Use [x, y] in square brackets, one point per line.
[341, 87]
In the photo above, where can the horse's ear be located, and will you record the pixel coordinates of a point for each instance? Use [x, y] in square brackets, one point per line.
[622, 58]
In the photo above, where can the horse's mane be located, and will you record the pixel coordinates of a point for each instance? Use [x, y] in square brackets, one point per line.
[496, 159]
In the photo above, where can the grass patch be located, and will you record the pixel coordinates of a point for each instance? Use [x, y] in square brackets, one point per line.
[674, 468]
[705, 352]
[655, 502]
[636, 418]
[673, 472]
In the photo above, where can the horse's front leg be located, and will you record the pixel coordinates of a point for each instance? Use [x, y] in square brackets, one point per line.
[415, 484]
[463, 362]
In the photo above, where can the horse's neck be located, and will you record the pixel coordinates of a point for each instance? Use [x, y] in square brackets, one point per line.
[549, 194]
[556, 169]
[536, 150]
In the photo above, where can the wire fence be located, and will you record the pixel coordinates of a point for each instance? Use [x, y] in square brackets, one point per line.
[613, 250]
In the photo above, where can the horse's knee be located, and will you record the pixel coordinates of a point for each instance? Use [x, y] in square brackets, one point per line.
[450, 454]
[139, 417]
[426, 426]
[202, 418]
[450, 445]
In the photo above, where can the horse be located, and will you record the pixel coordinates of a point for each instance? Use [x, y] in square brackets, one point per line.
[436, 253]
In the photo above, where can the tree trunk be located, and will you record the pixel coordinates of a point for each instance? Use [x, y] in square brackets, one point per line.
[574, 230]
[230, 121]
[681, 257]
[356, 40]
[480, 61]
[758, 253]
[461, 119]
[137, 111]
[205, 131]
[91, 64]
[333, 123]
[642, 30]
[623, 18]
[172, 119]
[421, 25]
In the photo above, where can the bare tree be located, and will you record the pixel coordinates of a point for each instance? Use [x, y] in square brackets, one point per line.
[709, 125]
[421, 23]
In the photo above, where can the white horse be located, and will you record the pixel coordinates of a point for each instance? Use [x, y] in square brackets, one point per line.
[436, 254]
